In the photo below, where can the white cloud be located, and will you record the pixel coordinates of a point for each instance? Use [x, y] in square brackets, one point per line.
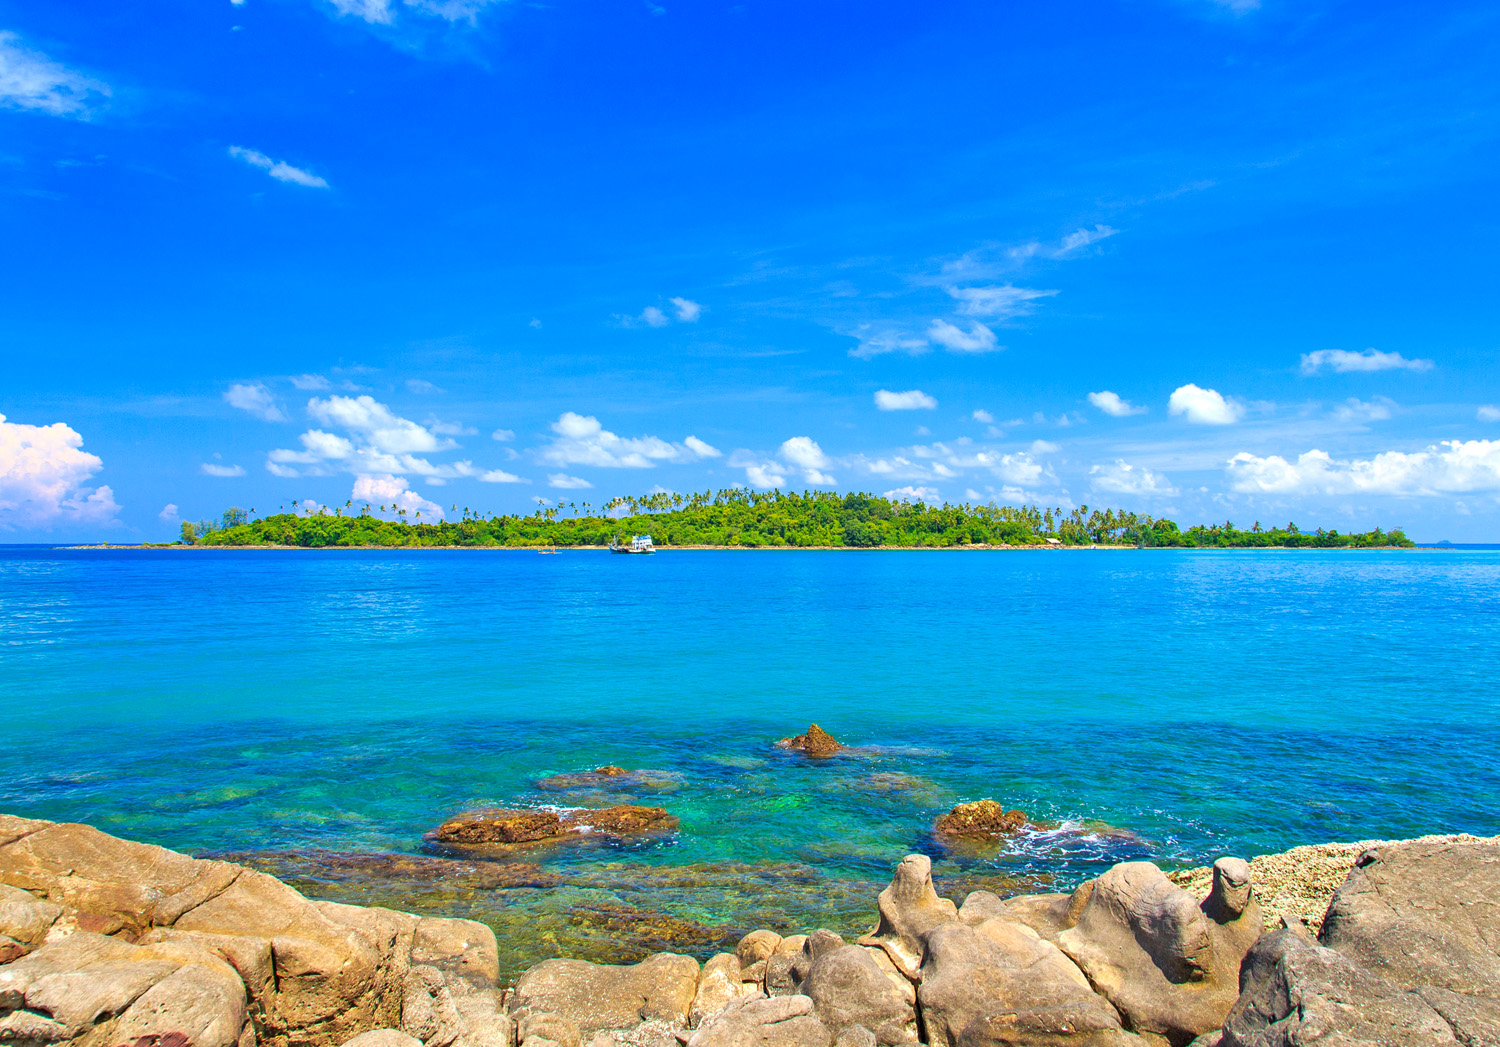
[804, 452]
[911, 400]
[256, 399]
[31, 80]
[977, 339]
[1451, 467]
[168, 513]
[1127, 479]
[765, 475]
[383, 489]
[1204, 406]
[1343, 361]
[43, 471]
[654, 317]
[449, 428]
[1377, 409]
[915, 494]
[379, 442]
[1044, 447]
[1111, 404]
[687, 310]
[500, 476]
[310, 382]
[582, 440]
[981, 415]
[1489, 413]
[1000, 303]
[210, 469]
[1084, 237]
[568, 483]
[376, 12]
[878, 343]
[701, 448]
[503, 435]
[422, 386]
[277, 169]
[376, 424]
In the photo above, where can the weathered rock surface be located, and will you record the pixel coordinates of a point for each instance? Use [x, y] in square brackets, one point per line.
[980, 818]
[909, 910]
[1153, 951]
[383, 1038]
[526, 826]
[848, 988]
[603, 996]
[815, 742]
[719, 985]
[783, 1021]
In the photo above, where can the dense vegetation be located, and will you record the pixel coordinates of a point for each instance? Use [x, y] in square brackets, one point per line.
[752, 519]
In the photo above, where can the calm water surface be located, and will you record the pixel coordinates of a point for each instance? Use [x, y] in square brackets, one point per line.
[1205, 702]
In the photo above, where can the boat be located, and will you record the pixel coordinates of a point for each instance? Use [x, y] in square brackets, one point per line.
[550, 550]
[639, 543]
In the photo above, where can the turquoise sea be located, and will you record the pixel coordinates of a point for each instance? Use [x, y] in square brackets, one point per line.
[316, 712]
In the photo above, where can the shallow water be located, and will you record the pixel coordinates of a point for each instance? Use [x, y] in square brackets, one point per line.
[348, 701]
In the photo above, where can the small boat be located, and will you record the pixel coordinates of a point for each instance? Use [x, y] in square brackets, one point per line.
[550, 550]
[639, 543]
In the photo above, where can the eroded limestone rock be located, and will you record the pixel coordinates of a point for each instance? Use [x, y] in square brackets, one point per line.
[783, 1021]
[604, 996]
[909, 910]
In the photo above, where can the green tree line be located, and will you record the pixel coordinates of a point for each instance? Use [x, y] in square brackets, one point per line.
[754, 519]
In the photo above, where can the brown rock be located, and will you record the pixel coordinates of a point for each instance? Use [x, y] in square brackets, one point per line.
[602, 996]
[786, 1021]
[980, 818]
[756, 946]
[621, 820]
[909, 910]
[500, 825]
[816, 742]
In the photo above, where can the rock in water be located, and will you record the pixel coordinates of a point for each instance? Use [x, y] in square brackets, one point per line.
[980, 818]
[816, 742]
[621, 820]
[500, 825]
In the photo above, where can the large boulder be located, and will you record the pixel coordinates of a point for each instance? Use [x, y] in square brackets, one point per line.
[1001, 983]
[909, 910]
[1298, 993]
[595, 996]
[981, 818]
[782, 1021]
[24, 921]
[1168, 964]
[719, 985]
[848, 988]
[814, 742]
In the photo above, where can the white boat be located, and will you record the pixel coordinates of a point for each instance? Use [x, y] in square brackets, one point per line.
[639, 543]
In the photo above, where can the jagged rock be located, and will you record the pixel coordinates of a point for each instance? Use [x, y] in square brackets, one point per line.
[815, 742]
[517, 827]
[1423, 914]
[909, 909]
[783, 1021]
[621, 820]
[719, 984]
[1001, 983]
[1296, 993]
[427, 1008]
[980, 818]
[603, 996]
[383, 1038]
[89, 985]
[848, 988]
[756, 946]
[1150, 948]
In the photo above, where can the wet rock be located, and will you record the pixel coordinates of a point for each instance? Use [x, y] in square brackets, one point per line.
[603, 781]
[785, 1021]
[719, 984]
[1001, 983]
[980, 818]
[500, 826]
[1148, 946]
[1297, 993]
[815, 742]
[621, 820]
[848, 988]
[909, 910]
[375, 879]
[602, 996]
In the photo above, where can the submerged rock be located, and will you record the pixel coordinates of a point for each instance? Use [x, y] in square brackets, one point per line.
[526, 826]
[815, 742]
[611, 780]
[981, 818]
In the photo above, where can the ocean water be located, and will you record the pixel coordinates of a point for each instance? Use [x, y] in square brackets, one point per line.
[308, 710]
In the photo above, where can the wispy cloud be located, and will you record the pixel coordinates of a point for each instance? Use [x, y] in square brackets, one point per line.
[212, 469]
[684, 311]
[30, 80]
[1000, 303]
[1376, 409]
[568, 483]
[1489, 413]
[1112, 404]
[277, 169]
[1344, 362]
[911, 400]
[977, 339]
[256, 399]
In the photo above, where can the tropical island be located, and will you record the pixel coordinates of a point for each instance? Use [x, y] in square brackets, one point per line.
[739, 518]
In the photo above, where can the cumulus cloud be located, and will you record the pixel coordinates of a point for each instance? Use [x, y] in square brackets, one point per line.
[1112, 404]
[765, 475]
[168, 513]
[386, 489]
[1451, 467]
[1000, 303]
[379, 427]
[44, 475]
[686, 309]
[31, 80]
[915, 494]
[1343, 361]
[568, 483]
[1377, 409]
[977, 339]
[500, 476]
[1489, 413]
[256, 399]
[803, 453]
[1127, 479]
[210, 469]
[583, 440]
[504, 435]
[1204, 406]
[277, 169]
[911, 400]
[378, 442]
[981, 415]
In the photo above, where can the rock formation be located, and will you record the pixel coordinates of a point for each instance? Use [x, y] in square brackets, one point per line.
[506, 826]
[815, 742]
[982, 818]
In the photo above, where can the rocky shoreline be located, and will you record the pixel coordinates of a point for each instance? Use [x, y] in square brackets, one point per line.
[105, 942]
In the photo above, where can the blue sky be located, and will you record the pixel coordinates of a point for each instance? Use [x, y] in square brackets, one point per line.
[1211, 260]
